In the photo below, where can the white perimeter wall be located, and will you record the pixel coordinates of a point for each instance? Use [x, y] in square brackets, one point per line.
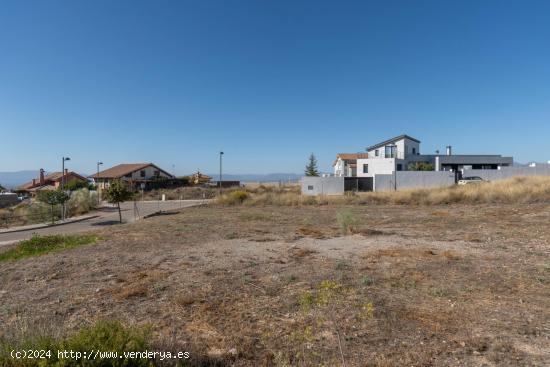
[508, 172]
[413, 179]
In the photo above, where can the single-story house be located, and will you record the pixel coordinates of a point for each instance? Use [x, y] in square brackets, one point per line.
[134, 174]
[50, 181]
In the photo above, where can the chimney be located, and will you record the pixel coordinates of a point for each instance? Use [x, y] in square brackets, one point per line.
[41, 177]
[449, 150]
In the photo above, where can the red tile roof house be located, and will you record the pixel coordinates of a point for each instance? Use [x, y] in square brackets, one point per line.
[51, 181]
[134, 174]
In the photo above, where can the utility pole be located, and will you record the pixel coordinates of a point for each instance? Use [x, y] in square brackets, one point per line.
[97, 183]
[63, 159]
[221, 154]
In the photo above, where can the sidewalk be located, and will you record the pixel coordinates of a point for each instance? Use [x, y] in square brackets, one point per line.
[44, 225]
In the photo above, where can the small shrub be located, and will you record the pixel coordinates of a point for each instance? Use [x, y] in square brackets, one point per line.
[236, 197]
[39, 245]
[104, 336]
[81, 202]
[347, 221]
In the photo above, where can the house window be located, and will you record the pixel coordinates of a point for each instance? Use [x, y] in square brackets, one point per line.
[400, 167]
[142, 173]
[390, 151]
[414, 150]
[157, 173]
[129, 175]
[376, 153]
[310, 187]
[365, 168]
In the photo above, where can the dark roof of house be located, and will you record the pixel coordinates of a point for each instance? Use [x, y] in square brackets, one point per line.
[393, 140]
[125, 169]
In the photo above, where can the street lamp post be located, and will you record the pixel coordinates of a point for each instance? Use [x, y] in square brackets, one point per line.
[221, 154]
[63, 159]
[97, 183]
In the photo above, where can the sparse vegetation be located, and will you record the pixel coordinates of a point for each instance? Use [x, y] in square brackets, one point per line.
[233, 197]
[347, 221]
[515, 190]
[107, 337]
[39, 245]
[275, 285]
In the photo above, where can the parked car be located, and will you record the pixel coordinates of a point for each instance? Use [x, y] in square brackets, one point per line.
[470, 180]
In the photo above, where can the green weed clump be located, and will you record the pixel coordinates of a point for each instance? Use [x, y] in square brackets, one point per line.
[347, 221]
[108, 337]
[39, 245]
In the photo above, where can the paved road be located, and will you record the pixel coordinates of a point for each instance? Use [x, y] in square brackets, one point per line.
[106, 216]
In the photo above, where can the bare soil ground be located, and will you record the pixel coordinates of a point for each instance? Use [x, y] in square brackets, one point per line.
[464, 285]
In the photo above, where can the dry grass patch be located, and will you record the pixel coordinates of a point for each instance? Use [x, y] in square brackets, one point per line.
[533, 189]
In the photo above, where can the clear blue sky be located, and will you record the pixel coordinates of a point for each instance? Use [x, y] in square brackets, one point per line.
[173, 82]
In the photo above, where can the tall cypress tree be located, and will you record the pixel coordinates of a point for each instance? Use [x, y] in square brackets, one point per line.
[311, 167]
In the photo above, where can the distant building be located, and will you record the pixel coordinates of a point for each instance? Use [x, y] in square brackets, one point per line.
[134, 174]
[50, 181]
[199, 178]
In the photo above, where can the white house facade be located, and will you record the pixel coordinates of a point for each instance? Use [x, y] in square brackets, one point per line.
[387, 156]
[399, 153]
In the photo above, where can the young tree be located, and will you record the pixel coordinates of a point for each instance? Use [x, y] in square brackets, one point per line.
[311, 167]
[118, 193]
[52, 198]
[421, 166]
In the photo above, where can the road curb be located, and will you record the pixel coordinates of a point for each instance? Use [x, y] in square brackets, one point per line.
[47, 225]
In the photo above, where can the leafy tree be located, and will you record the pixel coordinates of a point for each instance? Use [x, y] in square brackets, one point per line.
[118, 193]
[74, 185]
[52, 198]
[421, 166]
[311, 167]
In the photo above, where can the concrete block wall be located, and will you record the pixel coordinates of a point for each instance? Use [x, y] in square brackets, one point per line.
[313, 186]
[508, 172]
[413, 179]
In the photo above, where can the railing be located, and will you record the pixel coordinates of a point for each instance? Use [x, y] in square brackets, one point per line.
[398, 155]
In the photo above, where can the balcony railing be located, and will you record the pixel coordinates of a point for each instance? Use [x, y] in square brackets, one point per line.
[398, 155]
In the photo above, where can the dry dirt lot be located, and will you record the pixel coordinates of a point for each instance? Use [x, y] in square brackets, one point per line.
[281, 286]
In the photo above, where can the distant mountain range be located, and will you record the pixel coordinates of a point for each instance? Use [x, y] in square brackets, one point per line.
[11, 180]
[269, 177]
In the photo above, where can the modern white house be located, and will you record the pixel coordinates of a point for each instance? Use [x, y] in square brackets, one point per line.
[403, 151]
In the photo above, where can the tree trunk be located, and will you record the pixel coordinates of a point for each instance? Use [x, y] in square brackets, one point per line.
[119, 213]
